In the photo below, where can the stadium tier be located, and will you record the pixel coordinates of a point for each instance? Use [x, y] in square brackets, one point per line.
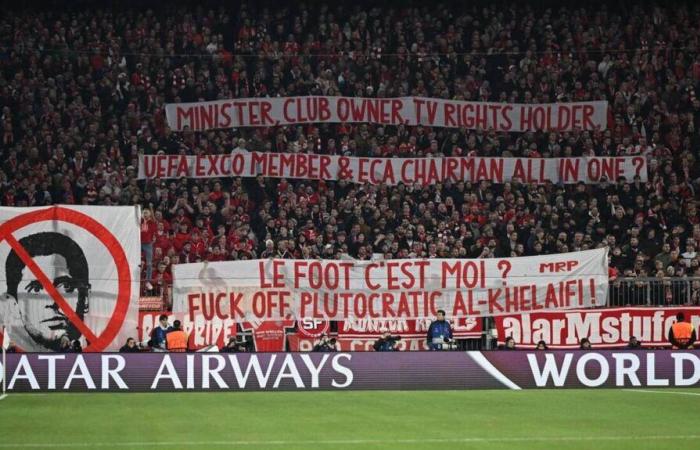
[352, 168]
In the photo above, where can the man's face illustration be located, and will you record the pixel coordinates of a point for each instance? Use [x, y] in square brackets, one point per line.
[45, 322]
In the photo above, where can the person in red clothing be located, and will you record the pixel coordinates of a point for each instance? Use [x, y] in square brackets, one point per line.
[216, 254]
[158, 217]
[161, 281]
[148, 233]
[198, 247]
[163, 240]
[181, 237]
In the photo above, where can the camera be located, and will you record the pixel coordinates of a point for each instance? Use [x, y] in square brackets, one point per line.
[386, 343]
[239, 343]
[325, 344]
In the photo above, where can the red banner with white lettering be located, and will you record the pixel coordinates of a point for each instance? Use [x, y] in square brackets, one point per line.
[603, 327]
[275, 289]
[393, 171]
[301, 343]
[462, 327]
[433, 112]
[269, 336]
[360, 335]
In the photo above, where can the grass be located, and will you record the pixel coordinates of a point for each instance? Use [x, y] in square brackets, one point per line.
[547, 419]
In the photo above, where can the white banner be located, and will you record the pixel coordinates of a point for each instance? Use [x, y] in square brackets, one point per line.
[392, 171]
[433, 112]
[69, 273]
[259, 290]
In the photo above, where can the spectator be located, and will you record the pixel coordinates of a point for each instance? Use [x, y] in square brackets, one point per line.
[149, 228]
[541, 345]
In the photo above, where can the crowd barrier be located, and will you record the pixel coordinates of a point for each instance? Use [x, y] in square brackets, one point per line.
[650, 291]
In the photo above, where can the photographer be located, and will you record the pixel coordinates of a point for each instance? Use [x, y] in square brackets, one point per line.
[235, 344]
[386, 343]
[130, 346]
[326, 344]
[439, 333]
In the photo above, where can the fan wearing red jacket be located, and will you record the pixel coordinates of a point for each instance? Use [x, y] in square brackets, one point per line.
[161, 281]
[148, 233]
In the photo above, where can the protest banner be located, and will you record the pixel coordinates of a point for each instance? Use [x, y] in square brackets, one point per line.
[71, 273]
[393, 171]
[360, 335]
[611, 327]
[273, 289]
[432, 112]
[301, 343]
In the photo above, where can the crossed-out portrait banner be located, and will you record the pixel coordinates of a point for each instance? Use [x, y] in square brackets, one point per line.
[69, 274]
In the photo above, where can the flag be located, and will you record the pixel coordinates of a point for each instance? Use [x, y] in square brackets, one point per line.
[5, 339]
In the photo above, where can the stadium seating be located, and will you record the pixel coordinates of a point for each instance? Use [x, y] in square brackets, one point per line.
[82, 94]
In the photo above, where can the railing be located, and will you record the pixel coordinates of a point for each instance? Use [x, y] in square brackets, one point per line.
[647, 291]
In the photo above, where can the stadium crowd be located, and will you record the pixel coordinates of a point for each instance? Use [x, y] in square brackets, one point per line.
[82, 93]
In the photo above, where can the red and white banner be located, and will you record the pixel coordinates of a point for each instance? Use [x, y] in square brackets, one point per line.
[269, 336]
[603, 327]
[462, 327]
[300, 343]
[360, 335]
[433, 112]
[70, 274]
[392, 171]
[272, 289]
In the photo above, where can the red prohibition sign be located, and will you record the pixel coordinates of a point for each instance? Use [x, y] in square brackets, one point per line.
[58, 213]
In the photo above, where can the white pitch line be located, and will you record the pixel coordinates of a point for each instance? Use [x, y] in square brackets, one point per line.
[648, 391]
[350, 441]
[3, 396]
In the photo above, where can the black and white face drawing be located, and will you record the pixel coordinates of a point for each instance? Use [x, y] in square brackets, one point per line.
[64, 263]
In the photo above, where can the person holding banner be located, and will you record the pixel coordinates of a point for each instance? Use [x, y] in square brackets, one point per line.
[439, 333]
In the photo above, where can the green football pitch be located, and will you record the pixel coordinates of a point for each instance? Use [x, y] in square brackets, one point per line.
[547, 419]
